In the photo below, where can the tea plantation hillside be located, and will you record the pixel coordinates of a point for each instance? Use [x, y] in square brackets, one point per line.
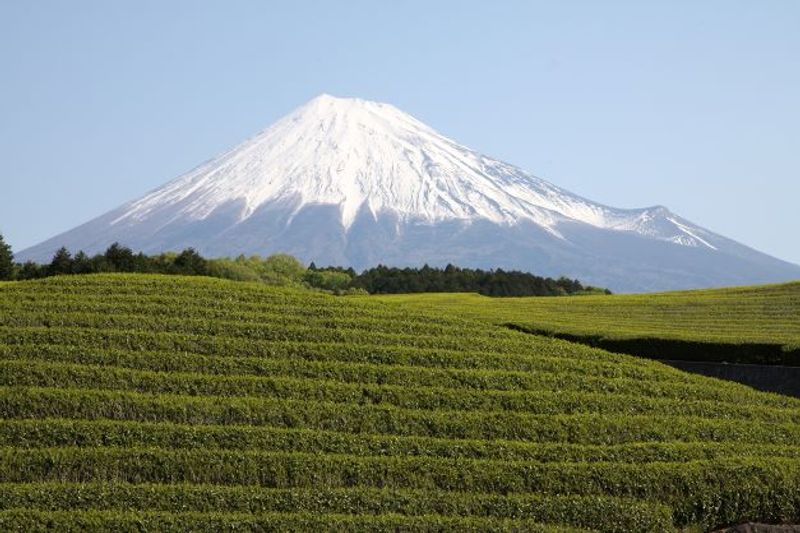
[151, 403]
[758, 324]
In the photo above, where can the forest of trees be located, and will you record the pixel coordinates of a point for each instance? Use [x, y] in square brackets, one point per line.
[282, 269]
[498, 282]
[116, 258]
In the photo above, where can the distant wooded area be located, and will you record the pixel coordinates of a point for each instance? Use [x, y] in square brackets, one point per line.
[283, 269]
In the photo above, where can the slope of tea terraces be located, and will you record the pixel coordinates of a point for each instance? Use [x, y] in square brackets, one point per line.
[157, 403]
[764, 316]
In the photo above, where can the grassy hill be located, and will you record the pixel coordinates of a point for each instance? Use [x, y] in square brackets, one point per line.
[134, 402]
[743, 324]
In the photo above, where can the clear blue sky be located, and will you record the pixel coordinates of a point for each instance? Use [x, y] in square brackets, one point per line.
[694, 105]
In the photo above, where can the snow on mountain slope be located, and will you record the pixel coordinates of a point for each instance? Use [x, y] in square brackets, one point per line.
[353, 153]
[349, 181]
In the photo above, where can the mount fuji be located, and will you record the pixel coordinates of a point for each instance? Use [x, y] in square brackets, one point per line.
[356, 183]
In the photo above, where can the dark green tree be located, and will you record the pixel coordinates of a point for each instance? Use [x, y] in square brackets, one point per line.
[82, 264]
[61, 263]
[6, 260]
[190, 263]
[30, 270]
[120, 258]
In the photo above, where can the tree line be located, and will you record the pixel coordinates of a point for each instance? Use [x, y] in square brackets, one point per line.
[496, 282]
[283, 269]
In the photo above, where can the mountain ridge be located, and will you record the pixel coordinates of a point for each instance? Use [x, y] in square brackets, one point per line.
[354, 174]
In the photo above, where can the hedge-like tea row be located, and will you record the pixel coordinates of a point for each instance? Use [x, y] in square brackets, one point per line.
[28, 520]
[526, 358]
[212, 307]
[21, 373]
[23, 402]
[34, 433]
[546, 377]
[615, 514]
[268, 331]
[242, 325]
[550, 379]
[735, 487]
[554, 360]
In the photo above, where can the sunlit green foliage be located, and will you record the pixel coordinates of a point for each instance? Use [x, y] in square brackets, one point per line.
[699, 323]
[154, 402]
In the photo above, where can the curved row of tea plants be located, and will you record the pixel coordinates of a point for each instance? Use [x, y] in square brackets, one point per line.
[154, 402]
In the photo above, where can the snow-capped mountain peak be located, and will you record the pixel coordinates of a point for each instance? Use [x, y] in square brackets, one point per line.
[357, 154]
[350, 153]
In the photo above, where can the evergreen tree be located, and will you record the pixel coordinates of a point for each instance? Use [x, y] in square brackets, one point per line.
[61, 263]
[81, 264]
[191, 263]
[31, 270]
[120, 258]
[6, 260]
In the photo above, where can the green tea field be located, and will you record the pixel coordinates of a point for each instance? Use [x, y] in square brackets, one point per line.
[166, 403]
[687, 324]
